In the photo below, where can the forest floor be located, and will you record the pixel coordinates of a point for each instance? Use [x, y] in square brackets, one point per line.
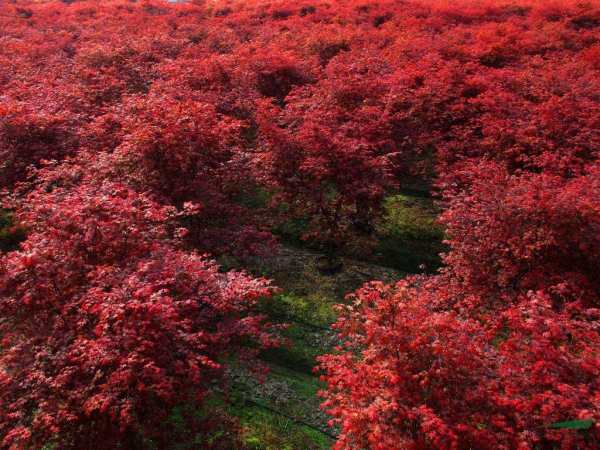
[282, 412]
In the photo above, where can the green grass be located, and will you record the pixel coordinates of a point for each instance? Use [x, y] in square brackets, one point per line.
[409, 238]
[411, 217]
[265, 430]
[305, 346]
[312, 308]
[304, 385]
[308, 333]
[281, 412]
[267, 411]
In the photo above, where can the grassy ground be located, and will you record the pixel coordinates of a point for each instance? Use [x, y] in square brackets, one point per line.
[409, 238]
[283, 412]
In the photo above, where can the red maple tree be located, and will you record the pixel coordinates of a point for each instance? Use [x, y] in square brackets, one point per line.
[107, 326]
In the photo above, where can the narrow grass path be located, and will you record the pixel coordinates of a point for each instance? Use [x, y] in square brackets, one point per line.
[282, 411]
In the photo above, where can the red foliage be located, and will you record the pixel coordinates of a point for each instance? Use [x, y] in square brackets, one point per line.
[326, 169]
[106, 327]
[499, 346]
[28, 137]
[529, 232]
[184, 151]
[134, 111]
[521, 120]
[416, 373]
[504, 342]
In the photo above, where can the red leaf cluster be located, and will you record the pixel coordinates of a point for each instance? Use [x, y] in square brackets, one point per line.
[106, 325]
[426, 365]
